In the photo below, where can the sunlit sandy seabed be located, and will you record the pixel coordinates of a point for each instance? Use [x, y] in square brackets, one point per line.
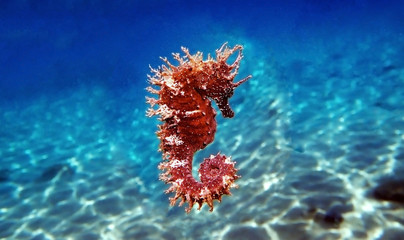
[312, 137]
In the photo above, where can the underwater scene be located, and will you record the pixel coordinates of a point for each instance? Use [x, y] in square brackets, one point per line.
[293, 112]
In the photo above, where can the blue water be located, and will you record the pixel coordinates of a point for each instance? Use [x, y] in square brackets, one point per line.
[318, 132]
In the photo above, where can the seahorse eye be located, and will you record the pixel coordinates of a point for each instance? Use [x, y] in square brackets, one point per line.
[229, 92]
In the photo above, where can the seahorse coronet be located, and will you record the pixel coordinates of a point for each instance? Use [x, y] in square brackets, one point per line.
[188, 122]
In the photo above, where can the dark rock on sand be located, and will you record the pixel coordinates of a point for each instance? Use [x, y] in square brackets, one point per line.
[391, 190]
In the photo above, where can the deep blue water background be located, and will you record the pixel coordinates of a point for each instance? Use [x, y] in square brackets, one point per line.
[325, 104]
[49, 46]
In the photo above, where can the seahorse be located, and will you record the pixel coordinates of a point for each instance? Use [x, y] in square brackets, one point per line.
[189, 123]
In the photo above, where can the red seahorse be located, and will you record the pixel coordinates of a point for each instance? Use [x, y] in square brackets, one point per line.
[189, 122]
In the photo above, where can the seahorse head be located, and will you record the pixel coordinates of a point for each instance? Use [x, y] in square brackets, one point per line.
[212, 78]
[220, 86]
[221, 91]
